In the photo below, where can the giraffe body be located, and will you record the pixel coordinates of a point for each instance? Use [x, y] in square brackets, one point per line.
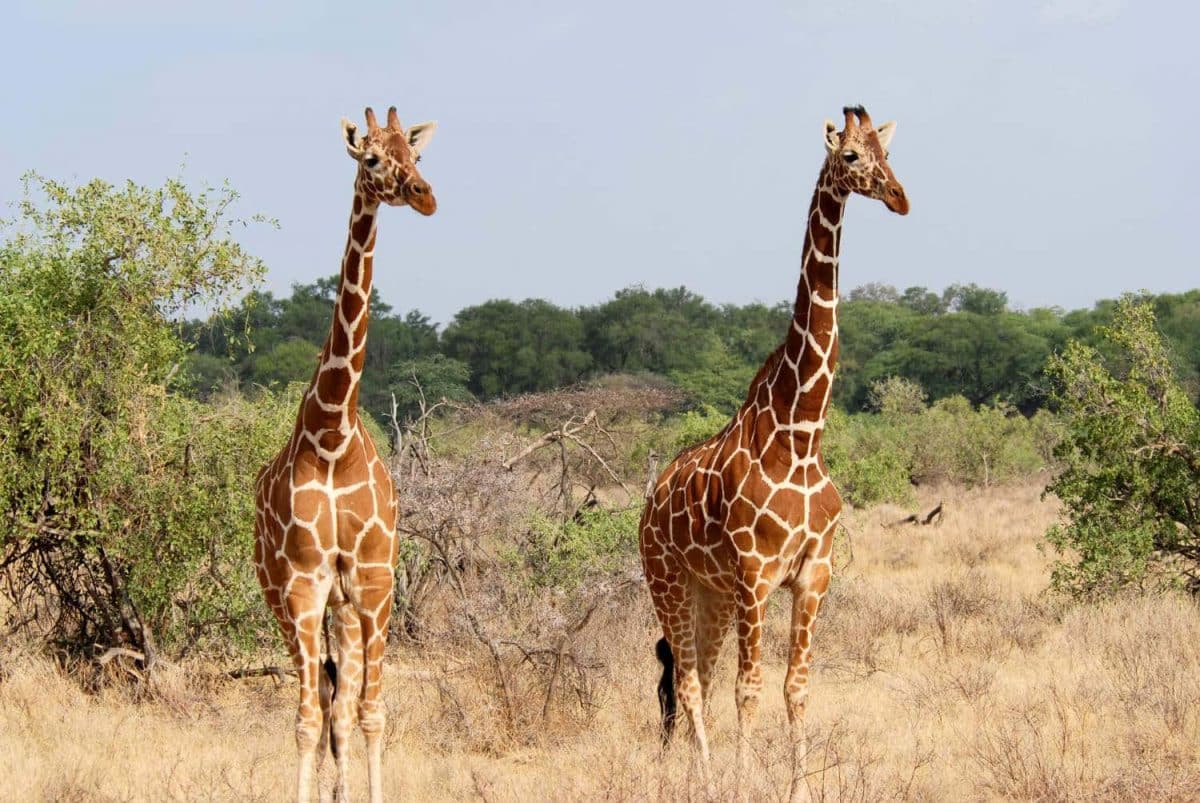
[753, 508]
[325, 526]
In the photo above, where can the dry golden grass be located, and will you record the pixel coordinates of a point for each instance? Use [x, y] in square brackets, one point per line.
[942, 673]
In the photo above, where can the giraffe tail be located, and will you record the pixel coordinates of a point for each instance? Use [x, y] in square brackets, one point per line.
[331, 672]
[329, 690]
[666, 688]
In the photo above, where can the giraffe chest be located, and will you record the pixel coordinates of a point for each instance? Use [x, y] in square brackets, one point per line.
[744, 518]
[335, 508]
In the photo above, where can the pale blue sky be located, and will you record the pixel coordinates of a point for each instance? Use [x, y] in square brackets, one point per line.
[1048, 148]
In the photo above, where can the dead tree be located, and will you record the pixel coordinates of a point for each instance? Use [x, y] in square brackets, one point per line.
[571, 431]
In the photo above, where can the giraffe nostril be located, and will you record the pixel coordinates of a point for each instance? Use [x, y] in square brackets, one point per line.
[419, 189]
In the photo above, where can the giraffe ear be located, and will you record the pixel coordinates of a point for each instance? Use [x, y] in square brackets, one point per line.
[419, 136]
[884, 132]
[354, 143]
[833, 143]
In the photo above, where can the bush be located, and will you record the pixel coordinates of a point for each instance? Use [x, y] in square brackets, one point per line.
[176, 510]
[896, 396]
[120, 500]
[1131, 456]
[975, 447]
[717, 379]
[669, 435]
[869, 457]
[879, 457]
[563, 555]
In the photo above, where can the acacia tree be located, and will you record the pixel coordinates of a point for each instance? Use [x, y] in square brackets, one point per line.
[125, 508]
[1131, 455]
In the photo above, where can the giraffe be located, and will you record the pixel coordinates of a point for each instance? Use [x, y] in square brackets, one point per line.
[752, 508]
[325, 527]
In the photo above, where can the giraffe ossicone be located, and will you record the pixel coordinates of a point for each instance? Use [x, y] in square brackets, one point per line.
[325, 523]
[753, 508]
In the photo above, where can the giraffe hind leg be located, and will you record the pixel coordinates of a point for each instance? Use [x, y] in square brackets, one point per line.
[674, 602]
[715, 611]
[327, 691]
[328, 695]
[807, 594]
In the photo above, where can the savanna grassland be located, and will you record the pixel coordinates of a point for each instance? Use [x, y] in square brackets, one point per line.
[943, 672]
[953, 661]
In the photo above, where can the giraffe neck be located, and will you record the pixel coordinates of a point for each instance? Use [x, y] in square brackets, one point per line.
[801, 385]
[330, 410]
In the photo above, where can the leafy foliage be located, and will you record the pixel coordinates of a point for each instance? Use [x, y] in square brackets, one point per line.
[644, 330]
[563, 554]
[281, 338]
[673, 434]
[880, 457]
[96, 445]
[175, 512]
[1131, 454]
[718, 380]
[428, 379]
[869, 458]
[517, 348]
[965, 341]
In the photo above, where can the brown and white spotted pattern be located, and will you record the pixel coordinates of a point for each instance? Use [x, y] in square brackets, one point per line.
[325, 529]
[752, 508]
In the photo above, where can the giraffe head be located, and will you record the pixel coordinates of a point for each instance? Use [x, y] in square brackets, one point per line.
[387, 161]
[858, 159]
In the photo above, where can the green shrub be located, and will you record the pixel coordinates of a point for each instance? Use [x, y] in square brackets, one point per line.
[1131, 462]
[952, 442]
[896, 395]
[672, 434]
[174, 508]
[694, 426]
[869, 457]
[564, 555]
[126, 508]
[717, 378]
[879, 457]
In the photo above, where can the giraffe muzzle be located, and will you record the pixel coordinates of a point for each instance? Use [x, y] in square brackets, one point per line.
[419, 195]
[895, 199]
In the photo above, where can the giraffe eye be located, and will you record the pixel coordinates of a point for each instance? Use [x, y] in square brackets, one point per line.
[371, 160]
[850, 156]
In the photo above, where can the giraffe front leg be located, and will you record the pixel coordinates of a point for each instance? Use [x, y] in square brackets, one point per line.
[305, 645]
[751, 612]
[807, 593]
[374, 615]
[348, 680]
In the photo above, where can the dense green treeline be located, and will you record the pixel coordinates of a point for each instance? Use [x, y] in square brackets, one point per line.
[966, 341]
